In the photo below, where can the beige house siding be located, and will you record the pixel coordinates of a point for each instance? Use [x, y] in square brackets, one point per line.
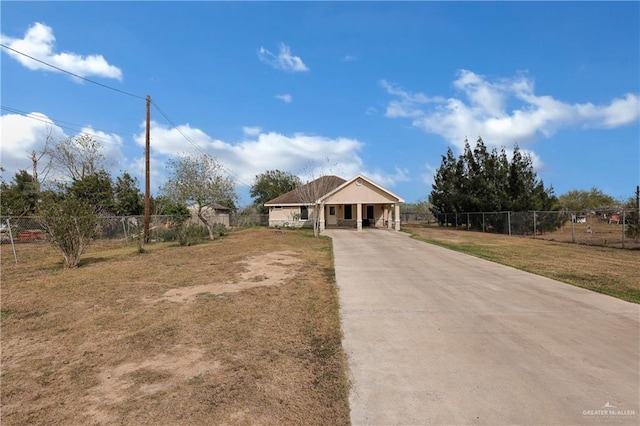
[289, 216]
[371, 206]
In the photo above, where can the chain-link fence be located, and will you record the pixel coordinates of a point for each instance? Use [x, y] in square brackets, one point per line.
[119, 230]
[610, 228]
[122, 229]
[417, 217]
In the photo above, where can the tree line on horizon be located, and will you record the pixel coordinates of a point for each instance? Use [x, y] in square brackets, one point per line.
[478, 180]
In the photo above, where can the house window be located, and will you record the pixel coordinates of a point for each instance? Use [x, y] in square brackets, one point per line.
[304, 212]
[332, 210]
[347, 212]
[278, 207]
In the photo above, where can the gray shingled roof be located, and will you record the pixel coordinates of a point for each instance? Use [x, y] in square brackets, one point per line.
[326, 183]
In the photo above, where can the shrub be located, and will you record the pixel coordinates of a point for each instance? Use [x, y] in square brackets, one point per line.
[71, 224]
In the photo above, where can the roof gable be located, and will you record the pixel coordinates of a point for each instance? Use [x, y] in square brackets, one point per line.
[300, 195]
[360, 180]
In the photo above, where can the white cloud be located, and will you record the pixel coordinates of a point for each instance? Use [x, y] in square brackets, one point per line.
[39, 42]
[298, 153]
[251, 130]
[284, 60]
[388, 180]
[408, 105]
[481, 109]
[21, 135]
[349, 58]
[304, 155]
[286, 98]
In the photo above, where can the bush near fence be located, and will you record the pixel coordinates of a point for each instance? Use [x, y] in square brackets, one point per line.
[610, 228]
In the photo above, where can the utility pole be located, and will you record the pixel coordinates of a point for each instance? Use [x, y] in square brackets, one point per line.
[147, 174]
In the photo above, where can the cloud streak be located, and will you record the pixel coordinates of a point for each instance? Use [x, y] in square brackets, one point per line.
[286, 98]
[39, 42]
[284, 60]
[480, 108]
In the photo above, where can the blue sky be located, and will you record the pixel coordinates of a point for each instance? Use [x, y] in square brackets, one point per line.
[378, 88]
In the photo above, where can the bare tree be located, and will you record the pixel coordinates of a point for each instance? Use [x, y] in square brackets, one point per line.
[77, 157]
[201, 182]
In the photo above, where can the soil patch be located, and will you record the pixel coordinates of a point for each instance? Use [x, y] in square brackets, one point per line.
[258, 271]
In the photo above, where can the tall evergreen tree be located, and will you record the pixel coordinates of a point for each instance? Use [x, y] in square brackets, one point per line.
[483, 181]
[127, 197]
[20, 197]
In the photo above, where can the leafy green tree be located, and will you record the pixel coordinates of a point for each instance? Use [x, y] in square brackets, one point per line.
[20, 197]
[179, 225]
[199, 181]
[271, 184]
[128, 200]
[580, 200]
[97, 190]
[633, 217]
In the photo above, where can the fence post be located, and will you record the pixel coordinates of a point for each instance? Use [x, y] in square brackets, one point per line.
[446, 224]
[509, 221]
[573, 229]
[535, 231]
[456, 220]
[482, 221]
[468, 224]
[13, 245]
[624, 221]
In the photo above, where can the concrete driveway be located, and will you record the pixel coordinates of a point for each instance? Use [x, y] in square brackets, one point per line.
[433, 336]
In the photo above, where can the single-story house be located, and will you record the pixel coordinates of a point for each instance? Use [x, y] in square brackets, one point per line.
[214, 214]
[339, 203]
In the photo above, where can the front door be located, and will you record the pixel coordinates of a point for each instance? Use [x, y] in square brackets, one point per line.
[332, 219]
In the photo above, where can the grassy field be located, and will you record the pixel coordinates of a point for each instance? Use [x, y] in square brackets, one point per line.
[606, 270]
[242, 330]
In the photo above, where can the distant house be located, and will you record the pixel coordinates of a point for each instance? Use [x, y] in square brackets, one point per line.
[339, 203]
[214, 214]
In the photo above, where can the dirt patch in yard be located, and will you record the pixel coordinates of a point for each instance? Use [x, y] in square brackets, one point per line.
[263, 270]
[242, 330]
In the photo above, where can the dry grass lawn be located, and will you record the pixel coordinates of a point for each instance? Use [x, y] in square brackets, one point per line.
[242, 330]
[606, 270]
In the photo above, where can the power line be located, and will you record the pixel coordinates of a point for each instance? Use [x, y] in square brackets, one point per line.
[196, 146]
[78, 127]
[187, 138]
[70, 73]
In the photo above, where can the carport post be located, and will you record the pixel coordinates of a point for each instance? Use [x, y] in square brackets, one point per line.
[397, 216]
[359, 217]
